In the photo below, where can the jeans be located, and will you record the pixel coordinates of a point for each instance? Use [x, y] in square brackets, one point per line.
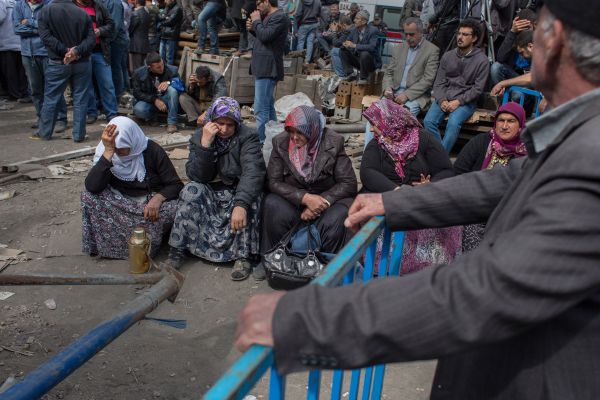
[57, 78]
[101, 71]
[147, 111]
[500, 72]
[325, 46]
[264, 104]
[35, 69]
[307, 34]
[336, 62]
[119, 52]
[209, 18]
[167, 50]
[434, 118]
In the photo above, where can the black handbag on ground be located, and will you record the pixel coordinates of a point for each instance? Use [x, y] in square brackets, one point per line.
[286, 269]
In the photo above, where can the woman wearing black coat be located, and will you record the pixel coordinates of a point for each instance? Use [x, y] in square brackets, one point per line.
[218, 212]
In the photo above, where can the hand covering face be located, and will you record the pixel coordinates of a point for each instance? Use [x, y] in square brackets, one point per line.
[224, 107]
[130, 136]
[399, 135]
[310, 123]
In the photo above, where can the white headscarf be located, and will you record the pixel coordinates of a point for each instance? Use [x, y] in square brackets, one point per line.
[131, 136]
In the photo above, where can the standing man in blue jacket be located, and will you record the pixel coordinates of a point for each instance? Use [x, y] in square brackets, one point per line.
[270, 27]
[69, 47]
[35, 58]
[360, 50]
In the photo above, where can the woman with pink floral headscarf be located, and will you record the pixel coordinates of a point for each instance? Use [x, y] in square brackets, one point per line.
[402, 153]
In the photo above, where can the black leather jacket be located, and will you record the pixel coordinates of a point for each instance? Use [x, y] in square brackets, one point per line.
[241, 166]
[170, 22]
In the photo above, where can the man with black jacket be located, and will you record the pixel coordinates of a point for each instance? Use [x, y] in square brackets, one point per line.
[361, 49]
[270, 26]
[153, 91]
[101, 71]
[170, 23]
[69, 46]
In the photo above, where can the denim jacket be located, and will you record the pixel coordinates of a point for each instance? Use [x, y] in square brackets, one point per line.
[31, 44]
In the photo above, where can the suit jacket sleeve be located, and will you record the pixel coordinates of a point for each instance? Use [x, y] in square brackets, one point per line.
[270, 31]
[424, 85]
[371, 44]
[533, 272]
[460, 200]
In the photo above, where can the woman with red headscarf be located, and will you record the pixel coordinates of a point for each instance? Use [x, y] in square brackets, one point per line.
[404, 153]
[310, 178]
[489, 150]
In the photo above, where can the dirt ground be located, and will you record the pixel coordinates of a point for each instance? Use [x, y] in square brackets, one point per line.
[149, 361]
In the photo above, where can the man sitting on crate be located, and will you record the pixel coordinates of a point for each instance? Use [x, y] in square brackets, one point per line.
[460, 80]
[153, 91]
[204, 85]
[361, 50]
[409, 76]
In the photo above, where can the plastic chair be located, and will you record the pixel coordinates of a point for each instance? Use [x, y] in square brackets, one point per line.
[522, 93]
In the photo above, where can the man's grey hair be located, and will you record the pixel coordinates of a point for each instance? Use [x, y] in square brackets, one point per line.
[584, 48]
[416, 21]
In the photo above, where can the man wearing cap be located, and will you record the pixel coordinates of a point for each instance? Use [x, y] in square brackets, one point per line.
[360, 50]
[515, 319]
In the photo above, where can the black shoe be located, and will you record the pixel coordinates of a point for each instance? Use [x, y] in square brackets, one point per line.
[176, 257]
[90, 119]
[35, 125]
[25, 100]
[60, 126]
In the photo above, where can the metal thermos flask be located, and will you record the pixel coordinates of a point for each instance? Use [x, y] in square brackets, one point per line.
[139, 244]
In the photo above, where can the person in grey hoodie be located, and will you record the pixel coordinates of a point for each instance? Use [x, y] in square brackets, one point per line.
[460, 80]
[307, 22]
[12, 74]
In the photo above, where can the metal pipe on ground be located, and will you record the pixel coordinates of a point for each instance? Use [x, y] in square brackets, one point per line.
[46, 376]
[39, 278]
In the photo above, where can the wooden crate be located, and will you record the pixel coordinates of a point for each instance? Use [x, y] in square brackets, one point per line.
[242, 83]
[285, 87]
[342, 100]
[345, 87]
[292, 65]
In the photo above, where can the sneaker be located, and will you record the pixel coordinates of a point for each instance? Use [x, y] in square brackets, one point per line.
[241, 270]
[199, 51]
[90, 119]
[176, 257]
[60, 126]
[171, 128]
[35, 125]
[35, 136]
[24, 100]
[258, 273]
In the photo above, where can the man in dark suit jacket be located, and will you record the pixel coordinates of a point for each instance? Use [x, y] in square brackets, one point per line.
[139, 44]
[269, 25]
[516, 318]
[361, 49]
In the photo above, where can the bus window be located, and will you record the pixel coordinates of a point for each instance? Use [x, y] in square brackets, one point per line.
[391, 16]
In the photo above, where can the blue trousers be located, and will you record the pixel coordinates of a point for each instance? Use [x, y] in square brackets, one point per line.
[119, 53]
[167, 50]
[35, 69]
[209, 19]
[147, 111]
[436, 115]
[264, 104]
[79, 74]
[102, 73]
[306, 35]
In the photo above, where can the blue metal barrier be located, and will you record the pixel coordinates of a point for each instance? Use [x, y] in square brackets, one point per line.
[522, 93]
[254, 363]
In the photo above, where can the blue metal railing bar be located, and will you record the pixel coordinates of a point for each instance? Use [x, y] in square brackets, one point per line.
[246, 372]
[522, 93]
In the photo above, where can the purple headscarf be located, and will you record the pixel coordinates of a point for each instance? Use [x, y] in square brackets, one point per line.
[224, 107]
[500, 151]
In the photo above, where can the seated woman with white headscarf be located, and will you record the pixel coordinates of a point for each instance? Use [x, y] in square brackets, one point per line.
[132, 184]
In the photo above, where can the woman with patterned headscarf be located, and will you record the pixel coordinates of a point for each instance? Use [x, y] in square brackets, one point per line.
[403, 153]
[218, 213]
[310, 178]
[132, 184]
[491, 150]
